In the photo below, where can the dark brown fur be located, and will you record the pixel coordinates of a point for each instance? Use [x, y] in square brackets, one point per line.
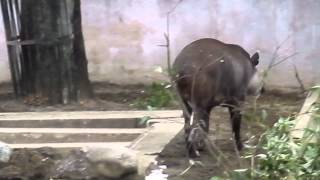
[208, 73]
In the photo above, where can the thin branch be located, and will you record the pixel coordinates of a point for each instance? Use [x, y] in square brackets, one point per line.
[166, 36]
[273, 62]
[302, 87]
[174, 7]
[237, 152]
[198, 71]
[170, 73]
[284, 59]
[212, 148]
[274, 56]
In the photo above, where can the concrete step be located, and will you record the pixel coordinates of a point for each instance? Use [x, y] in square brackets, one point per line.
[70, 145]
[76, 126]
[68, 135]
[72, 123]
[57, 115]
[65, 131]
[82, 119]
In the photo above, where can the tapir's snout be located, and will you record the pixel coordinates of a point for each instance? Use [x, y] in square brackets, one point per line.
[256, 85]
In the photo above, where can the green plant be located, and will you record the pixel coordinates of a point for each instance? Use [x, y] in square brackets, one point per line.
[144, 120]
[283, 158]
[156, 96]
[280, 157]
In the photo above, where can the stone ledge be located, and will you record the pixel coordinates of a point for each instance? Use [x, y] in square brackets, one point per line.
[305, 117]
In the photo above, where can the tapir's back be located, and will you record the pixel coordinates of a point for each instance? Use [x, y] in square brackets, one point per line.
[218, 68]
[205, 51]
[198, 53]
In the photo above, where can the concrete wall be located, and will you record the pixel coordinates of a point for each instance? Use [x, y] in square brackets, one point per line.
[122, 36]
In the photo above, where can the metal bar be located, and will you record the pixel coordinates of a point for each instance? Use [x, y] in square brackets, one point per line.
[23, 70]
[5, 15]
[14, 32]
[54, 41]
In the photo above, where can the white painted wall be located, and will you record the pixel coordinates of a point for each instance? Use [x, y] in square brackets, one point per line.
[122, 36]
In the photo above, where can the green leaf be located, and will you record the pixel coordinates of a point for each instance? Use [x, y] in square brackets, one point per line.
[264, 115]
[240, 174]
[216, 178]
[144, 120]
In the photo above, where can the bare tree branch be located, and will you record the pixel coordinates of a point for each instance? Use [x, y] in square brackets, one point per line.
[273, 62]
[167, 37]
[275, 53]
[170, 73]
[284, 59]
[302, 87]
[174, 7]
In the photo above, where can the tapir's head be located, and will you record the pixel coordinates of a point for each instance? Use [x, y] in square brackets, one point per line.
[256, 84]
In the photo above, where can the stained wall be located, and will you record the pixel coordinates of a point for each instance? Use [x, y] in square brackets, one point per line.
[123, 38]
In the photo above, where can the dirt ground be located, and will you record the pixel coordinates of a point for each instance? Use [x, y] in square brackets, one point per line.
[115, 97]
[107, 97]
[174, 157]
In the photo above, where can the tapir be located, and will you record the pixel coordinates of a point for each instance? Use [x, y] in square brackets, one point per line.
[210, 73]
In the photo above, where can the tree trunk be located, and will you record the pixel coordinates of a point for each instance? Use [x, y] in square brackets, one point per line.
[50, 53]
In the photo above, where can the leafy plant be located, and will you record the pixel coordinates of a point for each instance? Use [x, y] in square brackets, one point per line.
[281, 157]
[157, 95]
[144, 120]
[284, 158]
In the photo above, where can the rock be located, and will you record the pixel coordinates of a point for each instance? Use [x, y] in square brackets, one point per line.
[116, 163]
[26, 164]
[10, 172]
[74, 166]
[92, 163]
[112, 162]
[5, 152]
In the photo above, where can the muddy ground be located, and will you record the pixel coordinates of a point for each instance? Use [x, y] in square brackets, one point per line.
[107, 97]
[174, 157]
[115, 97]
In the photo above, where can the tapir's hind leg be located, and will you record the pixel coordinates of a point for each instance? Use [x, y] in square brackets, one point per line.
[235, 117]
[199, 127]
[187, 113]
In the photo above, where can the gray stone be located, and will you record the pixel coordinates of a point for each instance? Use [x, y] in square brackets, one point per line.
[74, 166]
[112, 162]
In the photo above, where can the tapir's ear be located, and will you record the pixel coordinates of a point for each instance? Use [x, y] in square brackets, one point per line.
[255, 59]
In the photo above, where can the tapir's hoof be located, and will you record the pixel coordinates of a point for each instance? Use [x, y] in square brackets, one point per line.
[201, 145]
[239, 146]
[193, 153]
